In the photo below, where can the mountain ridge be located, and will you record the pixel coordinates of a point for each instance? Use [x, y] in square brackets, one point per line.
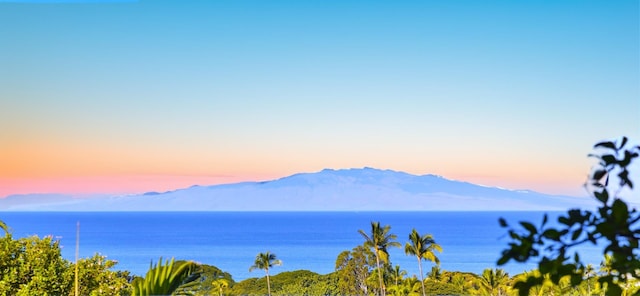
[354, 189]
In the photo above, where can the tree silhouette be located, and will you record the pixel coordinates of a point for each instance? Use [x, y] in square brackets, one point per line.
[613, 225]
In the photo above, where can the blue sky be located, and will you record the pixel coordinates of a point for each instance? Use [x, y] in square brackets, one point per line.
[171, 93]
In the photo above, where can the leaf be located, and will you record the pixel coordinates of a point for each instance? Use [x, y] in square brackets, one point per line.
[529, 227]
[597, 175]
[628, 156]
[503, 222]
[608, 159]
[576, 234]
[620, 211]
[563, 220]
[607, 144]
[503, 260]
[576, 279]
[545, 265]
[624, 177]
[602, 196]
[551, 234]
[624, 142]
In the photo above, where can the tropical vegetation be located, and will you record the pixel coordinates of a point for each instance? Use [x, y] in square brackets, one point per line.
[34, 266]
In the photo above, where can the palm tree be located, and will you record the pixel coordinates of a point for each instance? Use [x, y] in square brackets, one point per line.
[461, 283]
[265, 261]
[435, 274]
[422, 247]
[494, 281]
[398, 274]
[220, 284]
[379, 240]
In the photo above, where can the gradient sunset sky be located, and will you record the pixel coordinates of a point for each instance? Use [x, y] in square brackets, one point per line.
[133, 96]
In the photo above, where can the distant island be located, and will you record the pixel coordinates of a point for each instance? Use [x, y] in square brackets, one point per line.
[361, 189]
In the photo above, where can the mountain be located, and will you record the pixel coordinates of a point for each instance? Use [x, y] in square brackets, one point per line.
[365, 189]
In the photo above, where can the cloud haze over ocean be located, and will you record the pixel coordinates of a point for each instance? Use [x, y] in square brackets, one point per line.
[128, 97]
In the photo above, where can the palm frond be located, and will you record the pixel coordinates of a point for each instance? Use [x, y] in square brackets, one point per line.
[163, 279]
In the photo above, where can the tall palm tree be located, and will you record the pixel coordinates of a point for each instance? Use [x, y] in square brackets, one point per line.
[265, 261]
[423, 247]
[379, 240]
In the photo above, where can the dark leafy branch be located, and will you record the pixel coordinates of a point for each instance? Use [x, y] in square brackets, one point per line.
[613, 224]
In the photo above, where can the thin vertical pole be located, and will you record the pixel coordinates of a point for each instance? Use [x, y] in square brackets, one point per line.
[77, 255]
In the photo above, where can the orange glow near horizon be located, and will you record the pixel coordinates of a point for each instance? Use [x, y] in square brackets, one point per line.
[87, 166]
[136, 184]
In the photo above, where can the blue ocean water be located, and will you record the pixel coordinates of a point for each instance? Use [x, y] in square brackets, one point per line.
[471, 241]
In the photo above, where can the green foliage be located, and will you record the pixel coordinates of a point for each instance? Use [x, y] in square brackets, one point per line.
[353, 268]
[251, 286]
[435, 273]
[218, 285]
[441, 288]
[4, 227]
[211, 281]
[33, 266]
[303, 282]
[463, 283]
[613, 224]
[494, 282]
[96, 278]
[398, 274]
[300, 282]
[164, 279]
[379, 239]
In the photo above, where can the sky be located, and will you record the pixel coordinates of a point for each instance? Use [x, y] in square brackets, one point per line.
[122, 97]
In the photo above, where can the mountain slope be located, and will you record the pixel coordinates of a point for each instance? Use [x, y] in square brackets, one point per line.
[365, 189]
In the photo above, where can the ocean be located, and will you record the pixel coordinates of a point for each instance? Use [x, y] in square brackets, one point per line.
[471, 241]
